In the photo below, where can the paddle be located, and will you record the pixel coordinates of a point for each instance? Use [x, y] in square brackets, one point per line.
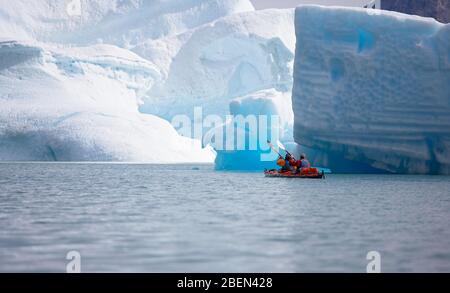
[281, 146]
[273, 148]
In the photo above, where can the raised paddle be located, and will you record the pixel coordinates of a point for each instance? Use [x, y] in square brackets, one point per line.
[273, 148]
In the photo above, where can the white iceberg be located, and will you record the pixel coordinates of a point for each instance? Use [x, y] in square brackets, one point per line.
[79, 78]
[241, 64]
[124, 23]
[80, 104]
[210, 66]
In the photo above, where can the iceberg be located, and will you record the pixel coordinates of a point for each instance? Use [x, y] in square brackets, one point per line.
[229, 58]
[125, 23]
[80, 104]
[241, 64]
[252, 151]
[100, 80]
[372, 90]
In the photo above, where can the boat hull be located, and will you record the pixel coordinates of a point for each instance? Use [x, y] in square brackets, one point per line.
[278, 174]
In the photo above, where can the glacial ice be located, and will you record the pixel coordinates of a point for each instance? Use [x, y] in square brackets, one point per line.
[125, 23]
[98, 85]
[243, 156]
[80, 104]
[241, 64]
[231, 57]
[372, 88]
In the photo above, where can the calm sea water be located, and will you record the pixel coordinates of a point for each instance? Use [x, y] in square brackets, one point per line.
[186, 218]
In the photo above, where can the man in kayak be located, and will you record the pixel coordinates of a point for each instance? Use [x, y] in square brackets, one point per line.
[304, 163]
[287, 165]
[301, 164]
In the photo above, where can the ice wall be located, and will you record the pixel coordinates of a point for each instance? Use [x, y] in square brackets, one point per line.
[373, 87]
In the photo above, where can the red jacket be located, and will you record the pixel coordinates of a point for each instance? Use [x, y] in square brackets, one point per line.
[298, 163]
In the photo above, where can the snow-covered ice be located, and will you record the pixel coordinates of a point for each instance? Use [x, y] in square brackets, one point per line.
[124, 23]
[233, 56]
[70, 87]
[80, 104]
[102, 83]
[373, 87]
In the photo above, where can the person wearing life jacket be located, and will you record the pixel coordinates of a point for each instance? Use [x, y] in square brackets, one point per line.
[287, 165]
[294, 163]
[303, 163]
[299, 165]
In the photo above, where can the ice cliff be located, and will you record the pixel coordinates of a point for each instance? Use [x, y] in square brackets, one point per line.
[372, 90]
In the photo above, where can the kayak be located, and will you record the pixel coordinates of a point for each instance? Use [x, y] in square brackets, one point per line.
[313, 174]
